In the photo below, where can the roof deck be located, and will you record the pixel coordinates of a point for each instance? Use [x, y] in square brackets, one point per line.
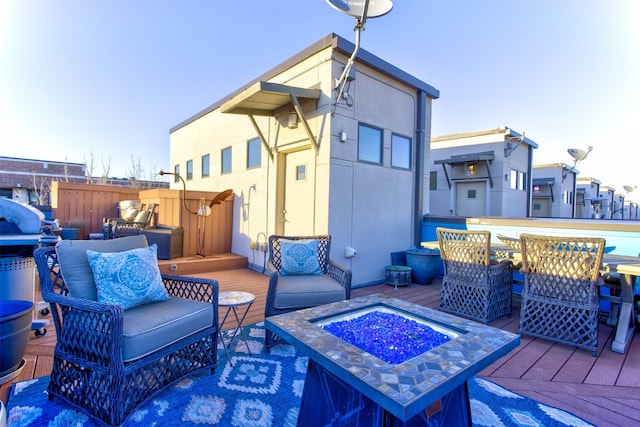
[604, 390]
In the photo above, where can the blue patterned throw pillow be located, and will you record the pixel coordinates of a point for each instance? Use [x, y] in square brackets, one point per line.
[128, 278]
[299, 257]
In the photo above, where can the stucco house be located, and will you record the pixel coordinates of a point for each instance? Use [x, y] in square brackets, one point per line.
[481, 173]
[608, 204]
[553, 190]
[587, 198]
[302, 162]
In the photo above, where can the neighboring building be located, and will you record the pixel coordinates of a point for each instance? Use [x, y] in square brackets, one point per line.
[553, 192]
[29, 180]
[301, 163]
[607, 202]
[484, 173]
[588, 200]
[618, 207]
[633, 211]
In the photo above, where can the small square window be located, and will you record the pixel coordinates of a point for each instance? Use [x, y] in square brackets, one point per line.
[471, 194]
[301, 172]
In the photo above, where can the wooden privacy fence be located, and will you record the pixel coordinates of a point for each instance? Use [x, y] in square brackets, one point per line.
[85, 205]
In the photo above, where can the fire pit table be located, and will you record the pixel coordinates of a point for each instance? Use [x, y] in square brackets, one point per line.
[351, 383]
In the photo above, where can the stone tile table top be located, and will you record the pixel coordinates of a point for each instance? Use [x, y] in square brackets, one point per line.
[405, 388]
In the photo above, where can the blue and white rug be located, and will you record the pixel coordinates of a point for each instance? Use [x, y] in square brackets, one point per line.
[260, 390]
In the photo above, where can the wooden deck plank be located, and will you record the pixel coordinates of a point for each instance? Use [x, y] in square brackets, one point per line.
[549, 363]
[630, 372]
[606, 369]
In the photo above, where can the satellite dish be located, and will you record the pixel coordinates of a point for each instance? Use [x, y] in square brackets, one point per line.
[578, 154]
[628, 188]
[361, 10]
[357, 8]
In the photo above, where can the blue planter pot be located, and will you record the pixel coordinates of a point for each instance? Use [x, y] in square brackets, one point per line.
[15, 325]
[424, 264]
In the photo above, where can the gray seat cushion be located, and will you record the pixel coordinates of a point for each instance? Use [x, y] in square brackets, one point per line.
[150, 327]
[307, 291]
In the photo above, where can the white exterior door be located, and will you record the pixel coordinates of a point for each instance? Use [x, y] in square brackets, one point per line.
[471, 198]
[299, 194]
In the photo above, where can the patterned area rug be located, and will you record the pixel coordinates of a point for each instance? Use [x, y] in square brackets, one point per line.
[259, 390]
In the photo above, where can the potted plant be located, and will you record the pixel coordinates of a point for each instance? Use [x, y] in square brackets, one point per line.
[398, 275]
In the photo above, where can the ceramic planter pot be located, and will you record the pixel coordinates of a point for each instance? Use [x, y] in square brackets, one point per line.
[424, 264]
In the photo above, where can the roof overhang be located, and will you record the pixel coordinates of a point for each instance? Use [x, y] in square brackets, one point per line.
[544, 181]
[266, 99]
[466, 158]
[270, 99]
[462, 159]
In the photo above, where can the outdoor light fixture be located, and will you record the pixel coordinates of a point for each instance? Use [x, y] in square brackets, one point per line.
[293, 120]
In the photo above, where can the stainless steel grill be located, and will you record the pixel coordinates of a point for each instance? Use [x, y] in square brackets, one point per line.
[20, 235]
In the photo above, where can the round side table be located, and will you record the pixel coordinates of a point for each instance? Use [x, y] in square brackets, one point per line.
[234, 301]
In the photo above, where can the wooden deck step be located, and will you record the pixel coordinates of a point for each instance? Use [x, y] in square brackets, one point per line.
[197, 264]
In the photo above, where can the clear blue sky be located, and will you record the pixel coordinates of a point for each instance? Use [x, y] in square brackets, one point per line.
[108, 79]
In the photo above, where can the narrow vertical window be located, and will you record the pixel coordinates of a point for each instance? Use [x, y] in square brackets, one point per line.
[206, 162]
[176, 170]
[189, 169]
[225, 161]
[253, 153]
[433, 180]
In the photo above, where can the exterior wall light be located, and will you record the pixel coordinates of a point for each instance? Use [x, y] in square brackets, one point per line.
[293, 120]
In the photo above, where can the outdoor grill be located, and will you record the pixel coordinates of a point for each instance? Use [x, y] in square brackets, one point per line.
[20, 235]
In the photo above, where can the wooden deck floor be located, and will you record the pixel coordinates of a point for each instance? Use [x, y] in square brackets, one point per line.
[604, 390]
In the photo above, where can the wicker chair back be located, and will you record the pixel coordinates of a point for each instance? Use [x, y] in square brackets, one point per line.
[472, 286]
[560, 295]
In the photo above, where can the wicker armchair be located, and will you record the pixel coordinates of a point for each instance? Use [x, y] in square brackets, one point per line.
[107, 360]
[560, 298]
[472, 285]
[289, 291]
